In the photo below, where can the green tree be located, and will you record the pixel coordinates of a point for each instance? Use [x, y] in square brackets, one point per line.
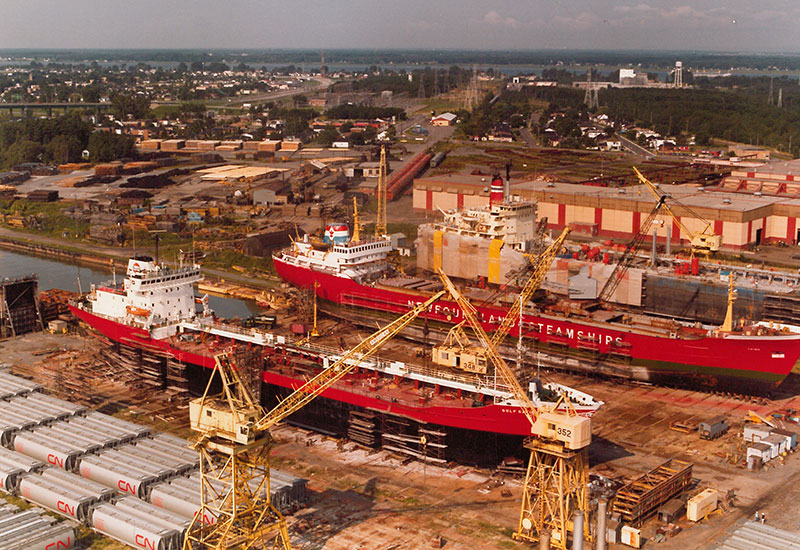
[137, 106]
[63, 148]
[328, 135]
[23, 151]
[106, 146]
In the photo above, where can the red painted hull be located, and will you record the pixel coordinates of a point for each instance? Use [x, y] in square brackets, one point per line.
[489, 418]
[744, 363]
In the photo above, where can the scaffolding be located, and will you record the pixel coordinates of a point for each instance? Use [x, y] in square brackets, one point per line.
[19, 306]
[642, 497]
[554, 489]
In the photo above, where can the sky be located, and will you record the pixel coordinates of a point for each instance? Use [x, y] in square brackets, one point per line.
[709, 25]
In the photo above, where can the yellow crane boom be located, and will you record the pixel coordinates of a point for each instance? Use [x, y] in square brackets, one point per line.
[536, 278]
[555, 482]
[346, 363]
[505, 372]
[704, 240]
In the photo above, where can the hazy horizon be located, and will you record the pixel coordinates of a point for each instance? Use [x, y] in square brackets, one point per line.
[511, 25]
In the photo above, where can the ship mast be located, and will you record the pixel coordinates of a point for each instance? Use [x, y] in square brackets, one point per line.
[380, 223]
[727, 324]
[356, 224]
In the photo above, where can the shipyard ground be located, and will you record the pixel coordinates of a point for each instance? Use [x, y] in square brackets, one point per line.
[374, 500]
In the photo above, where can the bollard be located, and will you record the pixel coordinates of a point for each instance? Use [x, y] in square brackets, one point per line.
[544, 540]
[577, 530]
[602, 528]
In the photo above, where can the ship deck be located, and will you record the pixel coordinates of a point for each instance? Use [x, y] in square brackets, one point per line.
[370, 384]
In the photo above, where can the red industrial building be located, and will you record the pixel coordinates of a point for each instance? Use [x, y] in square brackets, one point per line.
[761, 205]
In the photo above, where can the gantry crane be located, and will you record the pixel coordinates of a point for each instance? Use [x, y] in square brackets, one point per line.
[555, 482]
[704, 241]
[456, 351]
[234, 443]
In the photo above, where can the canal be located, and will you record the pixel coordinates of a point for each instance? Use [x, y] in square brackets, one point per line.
[74, 277]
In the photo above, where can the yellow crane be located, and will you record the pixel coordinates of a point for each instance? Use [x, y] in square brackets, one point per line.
[380, 222]
[456, 351]
[555, 481]
[703, 241]
[234, 443]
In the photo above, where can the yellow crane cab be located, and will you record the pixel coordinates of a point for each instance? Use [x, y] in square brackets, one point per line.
[704, 241]
[575, 432]
[468, 358]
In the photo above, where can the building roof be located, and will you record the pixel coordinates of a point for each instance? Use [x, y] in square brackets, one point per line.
[449, 117]
[759, 536]
[780, 167]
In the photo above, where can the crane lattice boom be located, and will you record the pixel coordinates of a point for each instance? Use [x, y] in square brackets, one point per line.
[346, 363]
[629, 255]
[536, 278]
[505, 372]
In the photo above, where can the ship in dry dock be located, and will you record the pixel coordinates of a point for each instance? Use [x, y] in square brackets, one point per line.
[154, 311]
[356, 274]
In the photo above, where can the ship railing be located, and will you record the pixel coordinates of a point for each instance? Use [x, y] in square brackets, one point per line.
[480, 382]
[208, 326]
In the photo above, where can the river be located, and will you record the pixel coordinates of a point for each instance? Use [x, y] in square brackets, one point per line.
[64, 275]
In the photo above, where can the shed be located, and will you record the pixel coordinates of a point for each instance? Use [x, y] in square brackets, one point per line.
[672, 510]
[756, 432]
[444, 119]
[370, 169]
[262, 244]
[777, 443]
[762, 451]
[791, 437]
[713, 427]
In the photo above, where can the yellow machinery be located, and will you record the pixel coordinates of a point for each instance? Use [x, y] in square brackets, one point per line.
[555, 483]
[380, 223]
[356, 223]
[457, 352]
[234, 443]
[704, 241]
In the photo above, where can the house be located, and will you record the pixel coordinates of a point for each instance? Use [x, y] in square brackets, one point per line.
[502, 133]
[444, 119]
[370, 169]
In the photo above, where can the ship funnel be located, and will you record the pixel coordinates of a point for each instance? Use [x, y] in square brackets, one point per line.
[336, 233]
[497, 190]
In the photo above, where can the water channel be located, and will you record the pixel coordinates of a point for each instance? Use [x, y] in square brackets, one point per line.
[74, 277]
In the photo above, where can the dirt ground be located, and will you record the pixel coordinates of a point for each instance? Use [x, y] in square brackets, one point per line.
[373, 501]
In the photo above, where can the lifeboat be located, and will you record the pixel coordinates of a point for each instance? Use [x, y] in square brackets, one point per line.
[138, 311]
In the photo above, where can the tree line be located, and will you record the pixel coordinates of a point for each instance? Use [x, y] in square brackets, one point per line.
[58, 140]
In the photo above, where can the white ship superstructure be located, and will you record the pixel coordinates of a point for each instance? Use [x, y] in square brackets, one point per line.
[362, 261]
[151, 295]
[513, 222]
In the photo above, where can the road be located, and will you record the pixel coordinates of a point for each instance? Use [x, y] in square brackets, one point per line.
[321, 82]
[634, 147]
[527, 137]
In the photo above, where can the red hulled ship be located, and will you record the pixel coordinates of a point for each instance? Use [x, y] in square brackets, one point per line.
[154, 310]
[745, 359]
